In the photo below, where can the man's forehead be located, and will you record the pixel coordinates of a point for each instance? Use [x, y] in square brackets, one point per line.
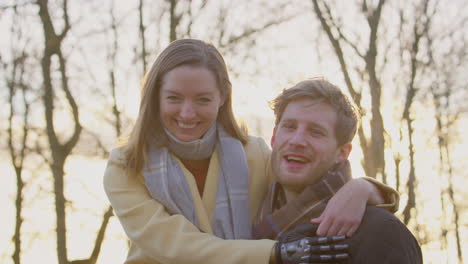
[309, 101]
[313, 111]
[308, 105]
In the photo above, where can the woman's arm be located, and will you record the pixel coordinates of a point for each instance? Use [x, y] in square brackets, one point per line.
[382, 195]
[344, 212]
[170, 238]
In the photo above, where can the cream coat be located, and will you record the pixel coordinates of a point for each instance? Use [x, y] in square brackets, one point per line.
[157, 237]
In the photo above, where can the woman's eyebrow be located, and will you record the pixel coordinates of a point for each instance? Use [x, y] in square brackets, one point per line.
[205, 94]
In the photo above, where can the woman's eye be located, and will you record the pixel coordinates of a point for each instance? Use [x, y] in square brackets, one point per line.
[204, 100]
[171, 98]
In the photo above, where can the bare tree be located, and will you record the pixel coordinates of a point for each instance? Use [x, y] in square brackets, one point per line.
[17, 134]
[183, 18]
[112, 73]
[372, 147]
[419, 30]
[447, 63]
[447, 113]
[397, 158]
[98, 241]
[445, 121]
[174, 19]
[117, 125]
[65, 149]
[142, 29]
[18, 155]
[59, 151]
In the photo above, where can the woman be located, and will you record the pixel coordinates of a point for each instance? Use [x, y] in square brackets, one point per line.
[177, 202]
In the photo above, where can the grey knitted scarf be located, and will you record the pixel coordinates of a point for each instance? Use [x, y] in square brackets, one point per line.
[167, 184]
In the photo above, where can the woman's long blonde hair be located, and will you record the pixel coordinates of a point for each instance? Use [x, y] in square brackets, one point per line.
[148, 127]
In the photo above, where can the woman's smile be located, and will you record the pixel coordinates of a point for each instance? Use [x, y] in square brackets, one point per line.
[186, 125]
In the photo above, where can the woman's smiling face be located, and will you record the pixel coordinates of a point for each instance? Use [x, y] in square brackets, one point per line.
[189, 101]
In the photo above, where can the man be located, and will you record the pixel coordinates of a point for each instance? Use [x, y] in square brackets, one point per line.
[315, 124]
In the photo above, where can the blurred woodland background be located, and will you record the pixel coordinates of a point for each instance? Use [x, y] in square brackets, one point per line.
[69, 81]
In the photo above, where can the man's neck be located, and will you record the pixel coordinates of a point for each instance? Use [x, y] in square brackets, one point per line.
[290, 194]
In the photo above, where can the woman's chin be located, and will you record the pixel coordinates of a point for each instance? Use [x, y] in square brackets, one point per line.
[187, 137]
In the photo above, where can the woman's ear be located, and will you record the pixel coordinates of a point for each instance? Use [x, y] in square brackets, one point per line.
[223, 100]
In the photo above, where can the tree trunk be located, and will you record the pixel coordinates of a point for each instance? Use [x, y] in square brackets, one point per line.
[420, 29]
[411, 184]
[455, 209]
[59, 151]
[174, 20]
[372, 148]
[15, 85]
[142, 29]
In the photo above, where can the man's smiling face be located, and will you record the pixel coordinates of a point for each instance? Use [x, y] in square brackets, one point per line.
[304, 144]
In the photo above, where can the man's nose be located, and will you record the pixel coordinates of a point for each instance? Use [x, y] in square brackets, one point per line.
[298, 138]
[187, 110]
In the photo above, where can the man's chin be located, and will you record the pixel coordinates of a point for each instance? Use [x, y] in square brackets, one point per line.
[292, 179]
[292, 188]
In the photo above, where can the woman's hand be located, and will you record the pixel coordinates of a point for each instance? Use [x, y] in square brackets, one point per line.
[301, 245]
[344, 211]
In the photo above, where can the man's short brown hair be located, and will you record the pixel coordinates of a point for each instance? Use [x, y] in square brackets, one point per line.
[347, 119]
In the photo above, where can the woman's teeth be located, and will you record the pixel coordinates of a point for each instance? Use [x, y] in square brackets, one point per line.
[183, 125]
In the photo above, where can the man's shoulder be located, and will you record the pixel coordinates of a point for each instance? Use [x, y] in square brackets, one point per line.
[376, 214]
[380, 220]
[382, 237]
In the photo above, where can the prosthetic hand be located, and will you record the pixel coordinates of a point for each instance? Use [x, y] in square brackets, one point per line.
[301, 245]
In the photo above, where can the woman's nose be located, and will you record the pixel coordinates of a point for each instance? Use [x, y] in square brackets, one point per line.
[187, 110]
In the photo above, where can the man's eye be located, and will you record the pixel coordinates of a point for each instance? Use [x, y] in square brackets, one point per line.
[288, 126]
[171, 97]
[317, 132]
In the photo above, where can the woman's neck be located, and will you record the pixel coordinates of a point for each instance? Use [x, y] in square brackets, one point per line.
[199, 170]
[198, 149]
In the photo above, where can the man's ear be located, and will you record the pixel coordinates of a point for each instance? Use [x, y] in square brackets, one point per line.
[343, 151]
[272, 141]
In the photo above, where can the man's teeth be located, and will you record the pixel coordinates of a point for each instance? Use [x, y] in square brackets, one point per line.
[182, 125]
[296, 159]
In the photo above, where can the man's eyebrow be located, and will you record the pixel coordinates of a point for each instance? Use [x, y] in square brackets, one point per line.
[312, 125]
[290, 119]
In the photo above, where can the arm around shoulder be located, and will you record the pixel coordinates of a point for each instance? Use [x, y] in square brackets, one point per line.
[382, 195]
